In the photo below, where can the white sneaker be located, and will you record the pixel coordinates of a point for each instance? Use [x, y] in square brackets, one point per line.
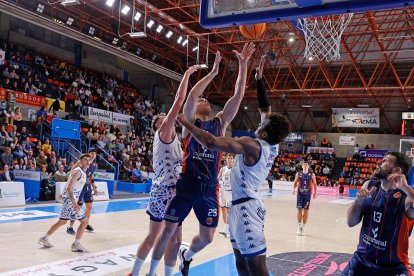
[299, 231]
[43, 241]
[77, 247]
[303, 230]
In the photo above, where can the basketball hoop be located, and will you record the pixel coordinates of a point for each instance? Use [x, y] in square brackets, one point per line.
[323, 35]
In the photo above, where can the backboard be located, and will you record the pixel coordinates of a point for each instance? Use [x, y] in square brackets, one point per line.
[227, 13]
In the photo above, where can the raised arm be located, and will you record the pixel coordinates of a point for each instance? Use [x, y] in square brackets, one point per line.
[400, 182]
[167, 129]
[263, 102]
[190, 105]
[232, 106]
[244, 145]
[355, 211]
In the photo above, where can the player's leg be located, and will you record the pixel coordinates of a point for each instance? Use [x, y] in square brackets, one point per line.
[45, 239]
[305, 213]
[88, 199]
[76, 246]
[258, 265]
[170, 257]
[223, 207]
[299, 206]
[241, 264]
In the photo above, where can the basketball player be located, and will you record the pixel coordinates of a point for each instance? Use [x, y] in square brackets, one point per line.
[86, 193]
[71, 210]
[225, 192]
[197, 186]
[254, 159]
[167, 156]
[385, 206]
[304, 184]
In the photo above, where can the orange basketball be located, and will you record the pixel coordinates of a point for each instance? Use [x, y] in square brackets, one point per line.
[253, 31]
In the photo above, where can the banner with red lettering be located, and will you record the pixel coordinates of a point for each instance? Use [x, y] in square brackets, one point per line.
[24, 98]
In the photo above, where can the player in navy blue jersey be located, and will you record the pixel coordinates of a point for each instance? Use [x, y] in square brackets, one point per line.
[385, 206]
[304, 185]
[197, 186]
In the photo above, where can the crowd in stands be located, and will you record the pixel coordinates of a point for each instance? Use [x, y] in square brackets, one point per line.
[28, 71]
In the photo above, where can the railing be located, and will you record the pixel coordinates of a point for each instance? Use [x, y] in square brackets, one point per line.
[107, 155]
[69, 156]
[86, 144]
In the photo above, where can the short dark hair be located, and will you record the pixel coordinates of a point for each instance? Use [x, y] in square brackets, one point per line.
[83, 156]
[277, 128]
[402, 161]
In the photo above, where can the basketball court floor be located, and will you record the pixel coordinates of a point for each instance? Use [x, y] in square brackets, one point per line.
[121, 225]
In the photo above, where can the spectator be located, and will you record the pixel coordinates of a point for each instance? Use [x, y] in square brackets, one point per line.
[7, 175]
[7, 158]
[30, 157]
[55, 106]
[17, 117]
[324, 143]
[46, 147]
[41, 160]
[5, 115]
[326, 171]
[18, 152]
[41, 116]
[21, 165]
[60, 175]
[31, 166]
[45, 174]
[24, 134]
[372, 146]
[52, 167]
[366, 147]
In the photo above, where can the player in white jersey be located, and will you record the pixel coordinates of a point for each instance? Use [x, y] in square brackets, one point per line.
[167, 160]
[254, 158]
[225, 192]
[71, 210]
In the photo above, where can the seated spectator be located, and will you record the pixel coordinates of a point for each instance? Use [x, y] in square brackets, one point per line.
[24, 134]
[326, 171]
[52, 167]
[7, 158]
[7, 175]
[324, 143]
[5, 115]
[366, 147]
[41, 160]
[30, 157]
[41, 116]
[16, 117]
[27, 145]
[18, 152]
[45, 174]
[21, 165]
[372, 146]
[60, 175]
[47, 147]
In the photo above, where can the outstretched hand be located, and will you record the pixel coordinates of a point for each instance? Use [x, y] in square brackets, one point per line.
[216, 65]
[259, 70]
[398, 180]
[246, 53]
[192, 69]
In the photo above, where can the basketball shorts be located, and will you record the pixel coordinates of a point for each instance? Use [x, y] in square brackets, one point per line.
[359, 265]
[303, 201]
[201, 196]
[86, 194]
[69, 213]
[225, 199]
[246, 224]
[160, 198]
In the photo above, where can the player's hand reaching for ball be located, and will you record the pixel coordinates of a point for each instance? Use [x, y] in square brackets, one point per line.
[246, 53]
[216, 65]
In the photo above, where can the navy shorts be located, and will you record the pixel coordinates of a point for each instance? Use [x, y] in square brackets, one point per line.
[303, 201]
[359, 265]
[86, 194]
[191, 193]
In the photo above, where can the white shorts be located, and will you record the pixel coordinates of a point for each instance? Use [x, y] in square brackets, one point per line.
[225, 199]
[69, 213]
[246, 223]
[160, 198]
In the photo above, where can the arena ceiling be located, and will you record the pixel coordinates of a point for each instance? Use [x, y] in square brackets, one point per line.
[376, 68]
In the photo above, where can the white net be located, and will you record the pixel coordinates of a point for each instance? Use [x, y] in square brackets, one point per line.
[323, 35]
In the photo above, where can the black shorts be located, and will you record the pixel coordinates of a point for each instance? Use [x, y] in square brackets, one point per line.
[202, 196]
[86, 194]
[359, 265]
[303, 201]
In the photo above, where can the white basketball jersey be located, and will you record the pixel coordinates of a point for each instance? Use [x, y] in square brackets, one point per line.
[167, 159]
[225, 178]
[77, 188]
[247, 179]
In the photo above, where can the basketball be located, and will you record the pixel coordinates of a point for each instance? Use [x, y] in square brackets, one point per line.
[253, 31]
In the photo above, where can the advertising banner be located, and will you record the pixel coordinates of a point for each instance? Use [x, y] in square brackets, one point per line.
[102, 188]
[121, 119]
[320, 150]
[294, 137]
[96, 114]
[333, 191]
[12, 194]
[346, 140]
[25, 98]
[372, 153]
[27, 175]
[356, 117]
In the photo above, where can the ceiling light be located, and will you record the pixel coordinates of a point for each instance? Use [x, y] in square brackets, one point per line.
[310, 58]
[115, 41]
[125, 9]
[245, 108]
[350, 109]
[179, 39]
[69, 2]
[363, 105]
[169, 34]
[40, 8]
[159, 29]
[195, 48]
[306, 105]
[70, 21]
[137, 16]
[185, 42]
[150, 23]
[137, 34]
[91, 30]
[291, 38]
[110, 2]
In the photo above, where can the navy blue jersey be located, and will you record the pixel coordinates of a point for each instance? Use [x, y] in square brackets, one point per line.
[385, 226]
[90, 171]
[305, 180]
[198, 161]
